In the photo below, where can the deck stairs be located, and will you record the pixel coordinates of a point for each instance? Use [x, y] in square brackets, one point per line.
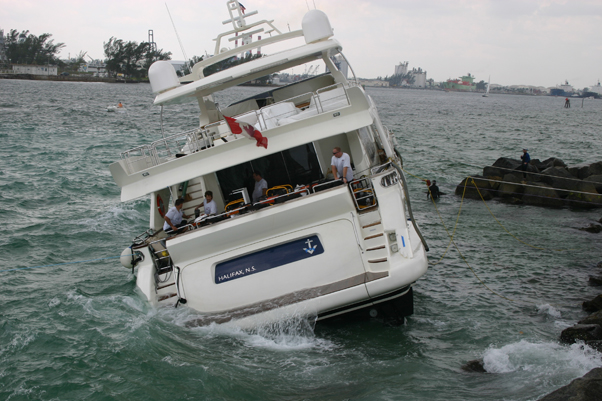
[196, 192]
[165, 281]
[376, 256]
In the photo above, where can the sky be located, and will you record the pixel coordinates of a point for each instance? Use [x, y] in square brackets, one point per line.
[515, 42]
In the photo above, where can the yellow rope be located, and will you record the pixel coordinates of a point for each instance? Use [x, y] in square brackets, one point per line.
[505, 229]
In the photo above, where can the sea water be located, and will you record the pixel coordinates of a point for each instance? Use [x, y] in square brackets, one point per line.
[513, 278]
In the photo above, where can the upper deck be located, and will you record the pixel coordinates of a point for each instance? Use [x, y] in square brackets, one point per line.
[294, 121]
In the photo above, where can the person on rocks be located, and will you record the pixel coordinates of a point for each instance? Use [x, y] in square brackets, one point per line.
[173, 219]
[525, 164]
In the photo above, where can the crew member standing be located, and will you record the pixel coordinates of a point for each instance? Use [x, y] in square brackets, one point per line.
[341, 166]
[261, 187]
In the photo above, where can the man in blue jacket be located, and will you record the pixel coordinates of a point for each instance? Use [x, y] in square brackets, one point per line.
[526, 159]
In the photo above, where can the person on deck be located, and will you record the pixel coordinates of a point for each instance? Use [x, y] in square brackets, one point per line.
[261, 187]
[341, 165]
[173, 218]
[209, 206]
[525, 164]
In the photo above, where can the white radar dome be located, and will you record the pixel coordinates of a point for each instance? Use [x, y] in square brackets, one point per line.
[162, 76]
[316, 26]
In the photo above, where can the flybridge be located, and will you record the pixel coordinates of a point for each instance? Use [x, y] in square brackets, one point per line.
[314, 29]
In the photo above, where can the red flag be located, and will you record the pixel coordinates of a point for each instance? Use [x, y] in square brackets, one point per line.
[247, 130]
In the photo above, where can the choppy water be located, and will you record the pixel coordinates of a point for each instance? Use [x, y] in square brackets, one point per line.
[81, 331]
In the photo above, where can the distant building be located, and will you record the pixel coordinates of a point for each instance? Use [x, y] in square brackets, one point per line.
[416, 78]
[401, 68]
[419, 78]
[35, 69]
[374, 82]
[96, 67]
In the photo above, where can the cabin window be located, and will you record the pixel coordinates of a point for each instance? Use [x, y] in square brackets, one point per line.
[295, 166]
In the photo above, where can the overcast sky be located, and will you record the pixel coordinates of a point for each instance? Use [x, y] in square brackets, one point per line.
[531, 42]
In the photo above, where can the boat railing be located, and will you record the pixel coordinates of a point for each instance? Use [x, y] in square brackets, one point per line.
[332, 97]
[284, 112]
[363, 193]
[168, 148]
[180, 144]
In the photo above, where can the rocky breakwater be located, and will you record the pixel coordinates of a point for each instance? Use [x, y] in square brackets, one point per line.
[548, 183]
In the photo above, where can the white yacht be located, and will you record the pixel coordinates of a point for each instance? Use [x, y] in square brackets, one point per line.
[312, 246]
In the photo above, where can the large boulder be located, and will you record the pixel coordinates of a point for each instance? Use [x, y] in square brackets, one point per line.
[594, 305]
[596, 344]
[585, 170]
[594, 318]
[581, 332]
[596, 180]
[541, 195]
[586, 388]
[553, 162]
[510, 187]
[483, 185]
[559, 177]
[585, 196]
[506, 165]
[592, 228]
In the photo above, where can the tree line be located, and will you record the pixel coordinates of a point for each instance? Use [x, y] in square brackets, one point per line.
[129, 58]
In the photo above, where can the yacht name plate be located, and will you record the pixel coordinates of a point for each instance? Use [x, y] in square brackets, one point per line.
[268, 259]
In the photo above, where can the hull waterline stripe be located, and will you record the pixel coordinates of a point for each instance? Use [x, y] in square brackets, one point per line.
[288, 299]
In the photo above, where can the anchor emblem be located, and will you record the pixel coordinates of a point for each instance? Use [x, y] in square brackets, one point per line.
[310, 249]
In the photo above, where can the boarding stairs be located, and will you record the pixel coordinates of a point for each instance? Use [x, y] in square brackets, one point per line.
[376, 255]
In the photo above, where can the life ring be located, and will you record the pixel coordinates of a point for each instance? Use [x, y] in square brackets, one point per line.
[160, 206]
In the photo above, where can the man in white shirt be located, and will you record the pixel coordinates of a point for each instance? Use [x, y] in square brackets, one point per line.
[173, 218]
[209, 206]
[341, 166]
[261, 187]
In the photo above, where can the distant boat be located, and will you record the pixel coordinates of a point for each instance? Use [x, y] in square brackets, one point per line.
[486, 94]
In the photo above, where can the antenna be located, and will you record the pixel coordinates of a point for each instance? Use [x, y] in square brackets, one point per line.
[315, 8]
[307, 4]
[177, 36]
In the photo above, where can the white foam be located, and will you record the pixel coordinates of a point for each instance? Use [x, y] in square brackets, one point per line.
[54, 302]
[295, 333]
[546, 358]
[549, 310]
[170, 360]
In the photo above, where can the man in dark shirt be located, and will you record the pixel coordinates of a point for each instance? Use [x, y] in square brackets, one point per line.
[434, 190]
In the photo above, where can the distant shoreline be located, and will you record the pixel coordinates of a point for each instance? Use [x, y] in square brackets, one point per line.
[69, 78]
